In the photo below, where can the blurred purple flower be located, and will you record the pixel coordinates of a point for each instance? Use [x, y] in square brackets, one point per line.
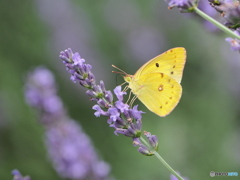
[172, 177]
[125, 120]
[183, 5]
[17, 175]
[230, 10]
[69, 148]
[235, 43]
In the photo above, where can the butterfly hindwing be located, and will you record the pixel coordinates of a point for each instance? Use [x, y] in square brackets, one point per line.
[159, 92]
[170, 63]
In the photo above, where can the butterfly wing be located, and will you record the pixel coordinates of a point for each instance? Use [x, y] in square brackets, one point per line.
[159, 92]
[170, 63]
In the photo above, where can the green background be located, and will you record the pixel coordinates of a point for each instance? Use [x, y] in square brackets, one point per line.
[199, 136]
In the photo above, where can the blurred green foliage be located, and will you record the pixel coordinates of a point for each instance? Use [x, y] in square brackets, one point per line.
[199, 136]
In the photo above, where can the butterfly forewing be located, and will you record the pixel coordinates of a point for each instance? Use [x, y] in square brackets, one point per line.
[170, 63]
[159, 92]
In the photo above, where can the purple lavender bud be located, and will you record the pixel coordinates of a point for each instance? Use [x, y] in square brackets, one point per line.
[86, 68]
[136, 141]
[119, 123]
[135, 113]
[124, 132]
[97, 89]
[17, 175]
[114, 114]
[138, 124]
[102, 86]
[91, 78]
[78, 76]
[121, 106]
[183, 5]
[152, 139]
[91, 93]
[127, 115]
[119, 93]
[103, 103]
[137, 128]
[66, 55]
[145, 151]
[85, 83]
[109, 96]
[235, 44]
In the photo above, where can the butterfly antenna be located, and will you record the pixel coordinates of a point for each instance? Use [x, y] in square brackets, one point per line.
[122, 72]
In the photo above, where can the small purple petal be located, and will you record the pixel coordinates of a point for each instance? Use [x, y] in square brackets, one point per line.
[121, 106]
[99, 111]
[114, 114]
[102, 86]
[77, 60]
[135, 113]
[235, 43]
[119, 93]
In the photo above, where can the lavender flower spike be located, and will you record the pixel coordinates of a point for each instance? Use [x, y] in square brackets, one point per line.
[17, 175]
[125, 120]
[70, 149]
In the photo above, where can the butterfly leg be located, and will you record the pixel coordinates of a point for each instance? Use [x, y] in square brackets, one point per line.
[132, 101]
[129, 97]
[125, 88]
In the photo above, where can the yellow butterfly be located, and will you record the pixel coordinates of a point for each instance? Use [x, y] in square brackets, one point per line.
[157, 82]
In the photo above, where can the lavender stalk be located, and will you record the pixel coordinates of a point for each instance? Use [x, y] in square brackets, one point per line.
[125, 120]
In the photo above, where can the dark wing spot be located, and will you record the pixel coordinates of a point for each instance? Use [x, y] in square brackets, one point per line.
[169, 80]
[172, 72]
[174, 66]
[162, 75]
[172, 86]
[170, 97]
[160, 107]
[171, 50]
[166, 102]
[157, 65]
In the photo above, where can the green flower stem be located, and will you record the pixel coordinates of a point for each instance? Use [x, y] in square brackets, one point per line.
[162, 160]
[216, 23]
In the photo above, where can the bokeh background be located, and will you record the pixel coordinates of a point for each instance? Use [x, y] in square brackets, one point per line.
[199, 136]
